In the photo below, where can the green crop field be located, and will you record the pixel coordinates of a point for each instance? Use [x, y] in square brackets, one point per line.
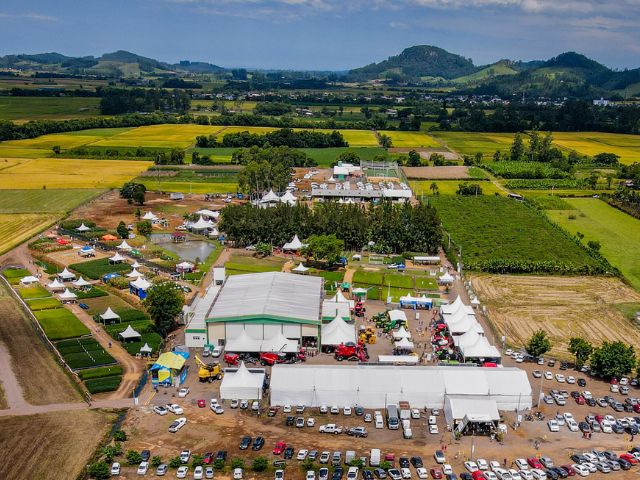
[60, 323]
[501, 235]
[95, 269]
[43, 303]
[8, 153]
[410, 139]
[186, 187]
[326, 156]
[469, 143]
[408, 281]
[550, 202]
[450, 187]
[84, 353]
[239, 264]
[617, 232]
[47, 142]
[43, 201]
[35, 291]
[592, 143]
[23, 109]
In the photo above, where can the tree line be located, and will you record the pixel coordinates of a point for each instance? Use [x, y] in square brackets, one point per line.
[115, 101]
[285, 137]
[390, 227]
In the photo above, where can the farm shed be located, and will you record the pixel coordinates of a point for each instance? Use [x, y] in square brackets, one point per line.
[242, 383]
[375, 386]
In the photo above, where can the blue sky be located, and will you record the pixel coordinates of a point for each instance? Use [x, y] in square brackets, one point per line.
[323, 34]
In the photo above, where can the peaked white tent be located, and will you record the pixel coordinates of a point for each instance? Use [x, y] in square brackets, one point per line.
[481, 349]
[117, 258]
[83, 228]
[66, 275]
[401, 333]
[149, 216]
[201, 224]
[338, 331]
[279, 343]
[134, 274]
[243, 343]
[395, 315]
[146, 349]
[214, 232]
[81, 283]
[270, 197]
[185, 267]
[468, 338]
[475, 302]
[135, 264]
[29, 279]
[404, 343]
[242, 384]
[129, 333]
[68, 295]
[124, 246]
[109, 315]
[288, 198]
[56, 285]
[446, 279]
[339, 298]
[141, 283]
[452, 307]
[208, 213]
[461, 325]
[294, 244]
[300, 268]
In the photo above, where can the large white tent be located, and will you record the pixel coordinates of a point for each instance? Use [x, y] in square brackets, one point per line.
[300, 268]
[68, 296]
[288, 198]
[458, 408]
[481, 349]
[374, 386]
[201, 224]
[28, 280]
[404, 343]
[149, 216]
[109, 315]
[129, 333]
[124, 246]
[243, 343]
[294, 244]
[242, 384]
[397, 315]
[270, 197]
[65, 275]
[401, 333]
[56, 285]
[338, 331]
[81, 283]
[279, 343]
[445, 279]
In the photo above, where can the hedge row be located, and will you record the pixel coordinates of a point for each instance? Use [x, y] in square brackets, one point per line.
[105, 384]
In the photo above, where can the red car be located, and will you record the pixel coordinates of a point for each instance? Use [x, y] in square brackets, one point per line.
[478, 475]
[614, 381]
[436, 473]
[629, 458]
[534, 463]
[636, 407]
[202, 403]
[580, 400]
[279, 448]
[570, 470]
[208, 458]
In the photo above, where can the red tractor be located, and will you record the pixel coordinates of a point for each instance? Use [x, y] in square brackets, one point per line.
[232, 358]
[359, 309]
[351, 351]
[271, 358]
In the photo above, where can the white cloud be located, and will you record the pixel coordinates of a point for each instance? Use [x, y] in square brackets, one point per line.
[28, 16]
[399, 25]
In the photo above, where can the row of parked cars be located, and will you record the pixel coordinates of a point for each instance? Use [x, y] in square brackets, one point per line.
[560, 397]
[595, 424]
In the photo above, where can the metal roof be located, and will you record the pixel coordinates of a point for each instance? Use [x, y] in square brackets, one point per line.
[272, 295]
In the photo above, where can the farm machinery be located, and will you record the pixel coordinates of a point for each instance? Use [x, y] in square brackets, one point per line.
[359, 309]
[351, 351]
[367, 335]
[208, 372]
[383, 322]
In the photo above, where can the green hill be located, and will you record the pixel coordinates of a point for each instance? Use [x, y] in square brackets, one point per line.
[503, 67]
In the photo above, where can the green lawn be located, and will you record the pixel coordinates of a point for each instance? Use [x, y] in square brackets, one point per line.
[39, 108]
[617, 232]
[501, 235]
[44, 201]
[241, 264]
[367, 277]
[60, 323]
[450, 187]
[36, 291]
[96, 269]
[326, 156]
[43, 303]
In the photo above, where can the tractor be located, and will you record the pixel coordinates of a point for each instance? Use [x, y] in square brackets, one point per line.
[367, 335]
[359, 309]
[271, 358]
[208, 372]
[351, 351]
[232, 358]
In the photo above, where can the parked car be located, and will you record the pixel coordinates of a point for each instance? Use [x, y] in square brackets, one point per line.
[183, 392]
[160, 410]
[177, 425]
[245, 442]
[115, 469]
[258, 443]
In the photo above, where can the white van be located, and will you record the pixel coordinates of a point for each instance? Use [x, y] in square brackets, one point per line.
[379, 421]
[374, 459]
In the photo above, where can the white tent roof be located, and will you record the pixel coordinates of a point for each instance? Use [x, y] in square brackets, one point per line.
[185, 265]
[404, 343]
[242, 384]
[201, 224]
[461, 325]
[475, 301]
[397, 315]
[56, 285]
[28, 279]
[359, 290]
[300, 268]
[141, 283]
[129, 332]
[481, 349]
[214, 232]
[66, 274]
[208, 213]
[68, 295]
[124, 246]
[279, 343]
[135, 264]
[270, 197]
[149, 216]
[289, 198]
[134, 274]
[83, 228]
[401, 333]
[81, 282]
[331, 309]
[294, 244]
[468, 338]
[408, 298]
[337, 331]
[109, 315]
[457, 407]
[243, 343]
[146, 348]
[456, 310]
[339, 298]
[117, 258]
[451, 307]
[446, 278]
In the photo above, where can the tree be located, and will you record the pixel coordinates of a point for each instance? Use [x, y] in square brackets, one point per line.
[164, 303]
[197, 460]
[133, 457]
[122, 230]
[606, 159]
[594, 245]
[237, 463]
[613, 359]
[133, 192]
[538, 344]
[175, 462]
[99, 470]
[609, 180]
[156, 460]
[592, 180]
[324, 247]
[260, 464]
[144, 227]
[517, 148]
[469, 189]
[478, 158]
[263, 249]
[56, 149]
[385, 141]
[434, 188]
[581, 349]
[111, 451]
[414, 159]
[119, 436]
[349, 157]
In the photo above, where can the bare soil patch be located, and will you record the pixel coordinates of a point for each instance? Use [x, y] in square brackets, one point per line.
[564, 307]
[436, 173]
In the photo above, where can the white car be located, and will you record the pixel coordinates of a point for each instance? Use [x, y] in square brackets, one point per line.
[324, 409]
[160, 410]
[415, 414]
[489, 475]
[311, 475]
[183, 392]
[526, 475]
[494, 464]
[182, 472]
[538, 474]
[237, 474]
[559, 378]
[218, 410]
[536, 374]
[624, 381]
[311, 422]
[432, 420]
[347, 411]
[433, 429]
[522, 464]
[244, 404]
[548, 375]
[571, 380]
[184, 456]
[143, 468]
[302, 454]
[605, 426]
[447, 469]
[572, 425]
[198, 473]
[213, 403]
[587, 394]
[581, 470]
[115, 469]
[235, 403]
[482, 464]
[567, 416]
[422, 473]
[286, 409]
[471, 466]
[175, 408]
[614, 389]
[515, 474]
[177, 424]
[255, 406]
[406, 473]
[439, 456]
[335, 410]
[553, 426]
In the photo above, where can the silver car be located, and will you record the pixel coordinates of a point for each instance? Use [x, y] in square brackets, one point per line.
[162, 469]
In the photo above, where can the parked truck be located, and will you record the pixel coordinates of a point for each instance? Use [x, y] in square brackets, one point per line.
[393, 419]
[405, 410]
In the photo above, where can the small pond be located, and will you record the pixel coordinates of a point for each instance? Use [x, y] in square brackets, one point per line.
[189, 250]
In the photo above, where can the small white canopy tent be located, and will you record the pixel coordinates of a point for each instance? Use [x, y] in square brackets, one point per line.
[395, 315]
[242, 384]
[201, 224]
[208, 213]
[117, 258]
[404, 343]
[109, 315]
[270, 197]
[134, 274]
[124, 246]
[401, 333]
[65, 275]
[129, 333]
[68, 295]
[81, 283]
[445, 279]
[83, 228]
[185, 266]
[146, 349]
[141, 283]
[359, 291]
[337, 331]
[28, 280]
[294, 244]
[475, 302]
[279, 343]
[135, 264]
[288, 198]
[149, 216]
[56, 285]
[300, 268]
[243, 343]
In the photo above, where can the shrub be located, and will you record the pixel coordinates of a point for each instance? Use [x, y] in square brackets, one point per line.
[105, 384]
[133, 457]
[260, 464]
[120, 436]
[197, 460]
[99, 470]
[175, 462]
[237, 463]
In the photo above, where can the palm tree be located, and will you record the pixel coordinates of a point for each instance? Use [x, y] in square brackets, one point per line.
[434, 188]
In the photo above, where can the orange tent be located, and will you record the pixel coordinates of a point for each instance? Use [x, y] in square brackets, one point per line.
[109, 238]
